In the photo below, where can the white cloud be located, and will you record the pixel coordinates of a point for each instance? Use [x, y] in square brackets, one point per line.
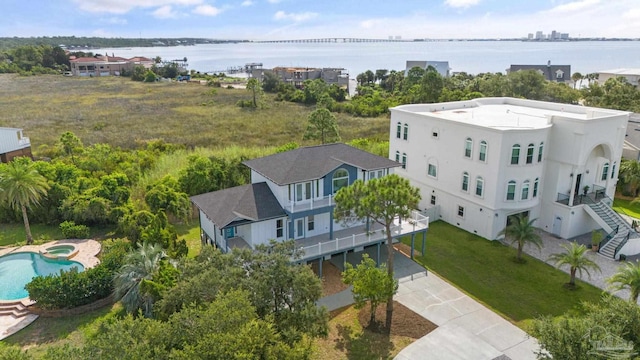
[574, 6]
[296, 17]
[461, 3]
[207, 10]
[632, 14]
[370, 23]
[124, 6]
[247, 3]
[114, 21]
[165, 12]
[274, 1]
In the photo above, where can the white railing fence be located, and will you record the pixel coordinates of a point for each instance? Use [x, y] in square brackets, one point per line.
[415, 222]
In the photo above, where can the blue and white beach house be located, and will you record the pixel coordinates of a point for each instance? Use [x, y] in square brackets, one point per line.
[291, 197]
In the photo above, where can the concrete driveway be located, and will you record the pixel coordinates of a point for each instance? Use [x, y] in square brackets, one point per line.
[466, 328]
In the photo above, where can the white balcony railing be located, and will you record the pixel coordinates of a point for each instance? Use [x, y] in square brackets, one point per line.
[24, 141]
[311, 204]
[416, 222]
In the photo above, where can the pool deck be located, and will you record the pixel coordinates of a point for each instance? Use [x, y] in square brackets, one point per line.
[87, 251]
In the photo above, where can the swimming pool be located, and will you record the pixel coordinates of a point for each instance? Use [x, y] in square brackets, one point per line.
[17, 270]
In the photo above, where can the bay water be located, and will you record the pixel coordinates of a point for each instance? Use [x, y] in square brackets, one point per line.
[469, 56]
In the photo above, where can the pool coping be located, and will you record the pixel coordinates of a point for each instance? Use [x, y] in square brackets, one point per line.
[87, 252]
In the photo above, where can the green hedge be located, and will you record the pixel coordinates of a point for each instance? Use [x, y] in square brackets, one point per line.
[71, 288]
[72, 231]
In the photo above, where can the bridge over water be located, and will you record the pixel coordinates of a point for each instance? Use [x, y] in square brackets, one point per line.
[332, 40]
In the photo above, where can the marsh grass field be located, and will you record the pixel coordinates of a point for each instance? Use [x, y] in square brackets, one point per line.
[122, 112]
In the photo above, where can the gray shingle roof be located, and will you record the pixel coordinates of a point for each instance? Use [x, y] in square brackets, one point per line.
[548, 71]
[253, 202]
[314, 162]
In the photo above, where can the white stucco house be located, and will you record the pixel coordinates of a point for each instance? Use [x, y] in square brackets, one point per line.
[478, 162]
[291, 197]
[13, 144]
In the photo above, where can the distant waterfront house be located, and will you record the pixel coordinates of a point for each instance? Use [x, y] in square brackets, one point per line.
[297, 75]
[557, 73]
[632, 75]
[13, 144]
[106, 65]
[291, 196]
[441, 66]
[479, 162]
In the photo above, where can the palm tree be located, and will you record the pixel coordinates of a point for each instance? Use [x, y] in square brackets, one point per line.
[574, 256]
[139, 266]
[627, 277]
[22, 187]
[521, 231]
[630, 175]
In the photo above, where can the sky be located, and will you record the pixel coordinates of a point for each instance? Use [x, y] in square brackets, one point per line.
[303, 19]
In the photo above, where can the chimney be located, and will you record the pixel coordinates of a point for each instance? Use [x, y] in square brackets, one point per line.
[549, 63]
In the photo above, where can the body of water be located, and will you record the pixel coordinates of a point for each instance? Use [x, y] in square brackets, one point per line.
[470, 56]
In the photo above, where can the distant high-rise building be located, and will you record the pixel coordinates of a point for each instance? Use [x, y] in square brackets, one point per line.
[539, 35]
[554, 35]
[398, 37]
[530, 36]
[564, 36]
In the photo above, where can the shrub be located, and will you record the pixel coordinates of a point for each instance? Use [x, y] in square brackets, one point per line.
[72, 231]
[70, 289]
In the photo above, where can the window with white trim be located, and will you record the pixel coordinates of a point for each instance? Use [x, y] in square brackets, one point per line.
[479, 186]
[398, 156]
[613, 169]
[535, 187]
[530, 150]
[405, 135]
[511, 190]
[433, 199]
[515, 154]
[376, 174]
[340, 179]
[398, 130]
[468, 146]
[540, 151]
[303, 191]
[465, 181]
[605, 171]
[525, 190]
[482, 155]
[432, 170]
[404, 160]
[461, 211]
[279, 228]
[310, 223]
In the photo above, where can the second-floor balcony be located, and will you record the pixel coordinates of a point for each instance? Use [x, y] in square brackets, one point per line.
[24, 142]
[594, 194]
[358, 236]
[313, 203]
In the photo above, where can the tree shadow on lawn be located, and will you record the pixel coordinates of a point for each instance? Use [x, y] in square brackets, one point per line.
[363, 345]
[374, 341]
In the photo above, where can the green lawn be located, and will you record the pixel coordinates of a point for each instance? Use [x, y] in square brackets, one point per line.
[625, 206]
[486, 270]
[11, 234]
[191, 233]
[47, 332]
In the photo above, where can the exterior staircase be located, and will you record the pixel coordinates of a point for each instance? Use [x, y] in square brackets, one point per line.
[16, 309]
[619, 230]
